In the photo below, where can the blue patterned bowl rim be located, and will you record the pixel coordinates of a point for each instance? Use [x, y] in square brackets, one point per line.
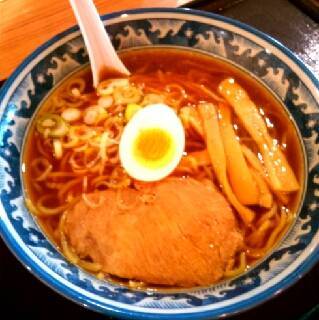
[112, 310]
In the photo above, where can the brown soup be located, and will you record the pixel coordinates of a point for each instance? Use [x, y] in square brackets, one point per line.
[63, 158]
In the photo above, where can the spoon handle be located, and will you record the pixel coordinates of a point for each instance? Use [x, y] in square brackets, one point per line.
[103, 57]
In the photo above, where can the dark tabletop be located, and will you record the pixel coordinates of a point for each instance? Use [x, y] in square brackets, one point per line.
[22, 296]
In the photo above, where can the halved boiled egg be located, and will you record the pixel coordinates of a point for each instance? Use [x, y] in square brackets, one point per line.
[152, 143]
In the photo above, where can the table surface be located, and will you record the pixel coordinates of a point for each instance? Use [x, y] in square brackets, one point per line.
[25, 24]
[24, 296]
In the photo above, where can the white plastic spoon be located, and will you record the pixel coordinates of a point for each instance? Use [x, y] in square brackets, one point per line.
[102, 54]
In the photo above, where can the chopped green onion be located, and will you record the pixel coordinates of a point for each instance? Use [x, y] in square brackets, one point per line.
[126, 95]
[71, 114]
[52, 126]
[130, 110]
[107, 87]
[94, 114]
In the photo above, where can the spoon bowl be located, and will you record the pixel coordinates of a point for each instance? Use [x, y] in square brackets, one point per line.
[103, 57]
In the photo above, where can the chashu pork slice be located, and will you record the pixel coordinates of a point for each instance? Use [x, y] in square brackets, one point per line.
[181, 233]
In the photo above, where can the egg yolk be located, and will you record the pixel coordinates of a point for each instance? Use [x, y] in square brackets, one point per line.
[153, 147]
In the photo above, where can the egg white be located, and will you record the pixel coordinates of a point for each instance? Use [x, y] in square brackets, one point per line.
[155, 116]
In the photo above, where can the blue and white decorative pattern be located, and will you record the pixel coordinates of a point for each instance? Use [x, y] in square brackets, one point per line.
[263, 57]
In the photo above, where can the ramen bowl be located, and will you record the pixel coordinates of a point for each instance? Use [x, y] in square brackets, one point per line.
[248, 49]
